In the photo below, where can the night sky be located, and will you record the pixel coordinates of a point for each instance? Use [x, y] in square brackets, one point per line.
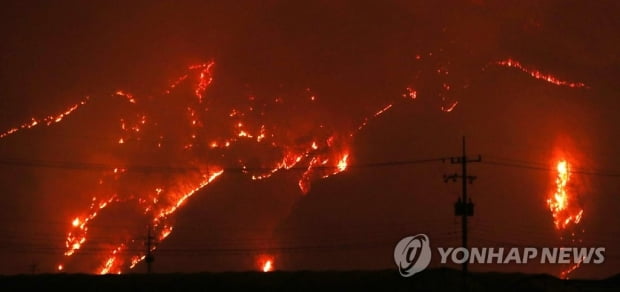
[303, 72]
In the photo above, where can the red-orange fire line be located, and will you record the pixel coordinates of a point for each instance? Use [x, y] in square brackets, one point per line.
[510, 63]
[113, 263]
[314, 155]
[205, 79]
[449, 108]
[49, 120]
[160, 217]
[77, 236]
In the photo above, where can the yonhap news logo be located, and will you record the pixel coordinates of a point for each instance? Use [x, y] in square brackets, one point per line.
[412, 255]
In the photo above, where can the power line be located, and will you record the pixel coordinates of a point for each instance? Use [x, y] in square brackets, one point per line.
[162, 168]
[234, 250]
[505, 164]
[76, 165]
[537, 166]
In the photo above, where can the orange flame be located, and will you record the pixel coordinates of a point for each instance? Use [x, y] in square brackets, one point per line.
[265, 263]
[564, 207]
[113, 262]
[267, 267]
[342, 164]
[562, 203]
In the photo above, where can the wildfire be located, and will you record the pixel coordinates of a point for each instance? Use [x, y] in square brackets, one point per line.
[564, 207]
[377, 114]
[539, 75]
[325, 154]
[113, 262]
[204, 80]
[181, 199]
[77, 236]
[126, 95]
[342, 164]
[383, 110]
[411, 93]
[267, 267]
[162, 204]
[564, 274]
[449, 108]
[49, 120]
[562, 203]
[265, 263]
[319, 152]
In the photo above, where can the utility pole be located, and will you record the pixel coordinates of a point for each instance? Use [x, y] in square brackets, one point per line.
[463, 206]
[149, 255]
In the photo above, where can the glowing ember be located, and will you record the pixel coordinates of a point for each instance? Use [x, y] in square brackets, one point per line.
[411, 93]
[386, 108]
[449, 108]
[375, 115]
[126, 95]
[204, 79]
[564, 274]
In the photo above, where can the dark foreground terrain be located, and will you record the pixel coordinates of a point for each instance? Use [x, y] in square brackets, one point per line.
[389, 280]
